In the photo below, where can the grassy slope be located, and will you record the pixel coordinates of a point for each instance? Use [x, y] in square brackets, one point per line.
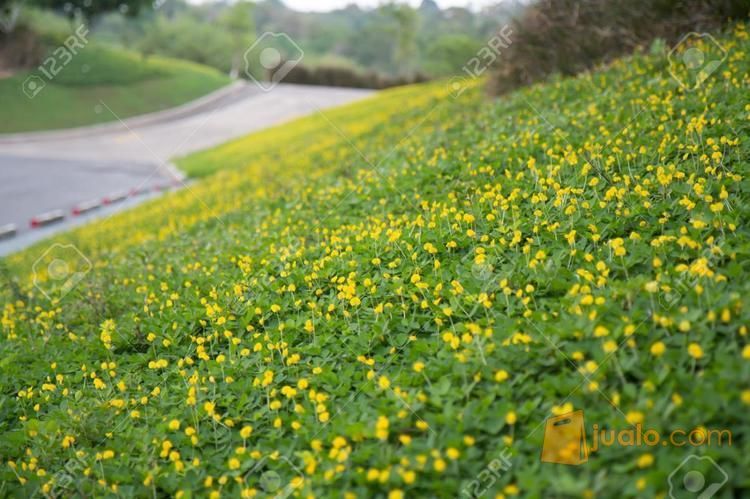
[298, 293]
[127, 83]
[312, 134]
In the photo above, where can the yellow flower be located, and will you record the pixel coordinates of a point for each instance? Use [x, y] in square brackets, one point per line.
[418, 366]
[107, 328]
[558, 410]
[695, 351]
[658, 349]
[601, 331]
[174, 425]
[246, 431]
[511, 418]
[68, 441]
[501, 375]
[511, 490]
[645, 461]
[234, 463]
[634, 417]
[746, 352]
[381, 427]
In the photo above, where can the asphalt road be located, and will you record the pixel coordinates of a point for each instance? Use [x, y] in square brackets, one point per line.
[57, 171]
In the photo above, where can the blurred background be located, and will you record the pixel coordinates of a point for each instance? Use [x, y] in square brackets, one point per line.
[146, 55]
[364, 45]
[171, 77]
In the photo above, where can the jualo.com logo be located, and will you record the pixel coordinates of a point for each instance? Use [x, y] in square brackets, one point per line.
[566, 442]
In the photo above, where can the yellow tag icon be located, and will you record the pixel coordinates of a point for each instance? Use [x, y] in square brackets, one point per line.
[565, 439]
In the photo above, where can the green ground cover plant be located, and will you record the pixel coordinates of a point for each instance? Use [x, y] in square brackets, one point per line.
[384, 300]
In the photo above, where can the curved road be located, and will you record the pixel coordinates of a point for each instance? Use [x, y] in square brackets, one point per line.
[46, 171]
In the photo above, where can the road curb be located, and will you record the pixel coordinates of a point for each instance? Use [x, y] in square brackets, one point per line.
[87, 207]
[189, 108]
[48, 218]
[8, 231]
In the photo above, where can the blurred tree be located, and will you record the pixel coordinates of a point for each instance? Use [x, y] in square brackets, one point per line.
[405, 24]
[9, 14]
[237, 21]
[188, 37]
[372, 43]
[92, 8]
[447, 54]
[392, 39]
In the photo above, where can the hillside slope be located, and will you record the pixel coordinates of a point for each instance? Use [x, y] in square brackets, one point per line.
[127, 83]
[393, 305]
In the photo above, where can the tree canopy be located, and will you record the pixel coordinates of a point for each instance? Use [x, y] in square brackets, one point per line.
[91, 8]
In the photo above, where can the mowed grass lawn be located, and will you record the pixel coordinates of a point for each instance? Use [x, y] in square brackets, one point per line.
[127, 83]
[389, 300]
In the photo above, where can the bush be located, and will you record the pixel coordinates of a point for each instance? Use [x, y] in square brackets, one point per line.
[340, 76]
[570, 36]
[36, 31]
[20, 49]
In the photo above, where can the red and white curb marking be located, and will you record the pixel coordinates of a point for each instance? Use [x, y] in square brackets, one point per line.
[84, 208]
[47, 218]
[55, 216]
[115, 197]
[8, 231]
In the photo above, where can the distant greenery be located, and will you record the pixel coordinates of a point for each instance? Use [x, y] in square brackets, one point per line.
[126, 82]
[90, 8]
[393, 39]
[380, 47]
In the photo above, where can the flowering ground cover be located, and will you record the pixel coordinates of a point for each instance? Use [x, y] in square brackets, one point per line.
[390, 299]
